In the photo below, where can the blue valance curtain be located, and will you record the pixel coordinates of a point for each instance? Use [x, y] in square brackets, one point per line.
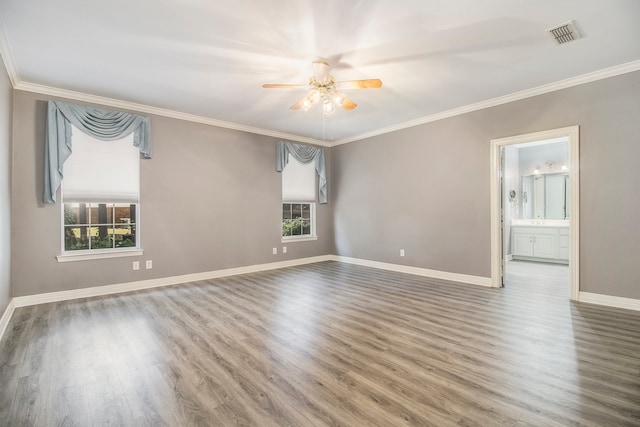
[304, 154]
[101, 124]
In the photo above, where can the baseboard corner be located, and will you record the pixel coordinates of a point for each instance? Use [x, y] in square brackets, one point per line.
[6, 317]
[417, 271]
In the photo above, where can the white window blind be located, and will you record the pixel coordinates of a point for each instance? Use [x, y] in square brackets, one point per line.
[298, 181]
[102, 171]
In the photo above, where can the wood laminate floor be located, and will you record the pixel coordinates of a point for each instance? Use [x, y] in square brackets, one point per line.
[322, 344]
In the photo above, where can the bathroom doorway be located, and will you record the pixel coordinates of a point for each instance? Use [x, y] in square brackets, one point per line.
[534, 208]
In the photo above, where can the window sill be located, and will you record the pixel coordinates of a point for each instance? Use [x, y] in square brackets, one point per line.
[98, 255]
[299, 239]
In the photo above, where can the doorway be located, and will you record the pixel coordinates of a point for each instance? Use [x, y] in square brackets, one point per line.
[569, 206]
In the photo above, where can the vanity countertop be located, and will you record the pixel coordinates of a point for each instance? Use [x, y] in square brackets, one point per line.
[540, 222]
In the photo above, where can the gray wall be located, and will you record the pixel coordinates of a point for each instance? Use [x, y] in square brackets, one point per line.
[426, 188]
[210, 200]
[6, 95]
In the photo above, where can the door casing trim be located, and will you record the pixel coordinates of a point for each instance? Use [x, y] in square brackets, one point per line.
[573, 133]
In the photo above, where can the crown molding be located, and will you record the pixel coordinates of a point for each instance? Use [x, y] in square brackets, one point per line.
[17, 83]
[516, 96]
[148, 109]
[14, 77]
[7, 57]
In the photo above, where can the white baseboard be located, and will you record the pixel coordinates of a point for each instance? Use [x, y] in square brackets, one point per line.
[436, 274]
[155, 283]
[609, 300]
[4, 320]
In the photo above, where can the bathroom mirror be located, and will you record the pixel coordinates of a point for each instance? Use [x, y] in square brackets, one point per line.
[545, 196]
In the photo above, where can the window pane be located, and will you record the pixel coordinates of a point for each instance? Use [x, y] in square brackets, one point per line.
[92, 217]
[75, 238]
[306, 211]
[296, 228]
[296, 210]
[75, 213]
[102, 242]
[125, 213]
[286, 211]
[124, 236]
[306, 228]
[109, 209]
[101, 213]
[286, 227]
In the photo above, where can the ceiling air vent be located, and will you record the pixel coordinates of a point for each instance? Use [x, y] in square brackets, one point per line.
[564, 33]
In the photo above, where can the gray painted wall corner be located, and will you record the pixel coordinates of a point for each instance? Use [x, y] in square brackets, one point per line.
[6, 110]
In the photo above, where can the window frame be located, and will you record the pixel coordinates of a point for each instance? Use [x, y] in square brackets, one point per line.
[88, 254]
[98, 253]
[294, 200]
[312, 223]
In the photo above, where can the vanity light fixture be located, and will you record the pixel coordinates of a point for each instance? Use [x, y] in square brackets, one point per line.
[551, 165]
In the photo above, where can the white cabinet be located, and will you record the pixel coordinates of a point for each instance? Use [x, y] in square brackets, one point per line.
[563, 244]
[540, 243]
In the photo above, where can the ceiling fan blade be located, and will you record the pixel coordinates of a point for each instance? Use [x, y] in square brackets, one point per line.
[359, 84]
[321, 72]
[298, 104]
[281, 86]
[348, 104]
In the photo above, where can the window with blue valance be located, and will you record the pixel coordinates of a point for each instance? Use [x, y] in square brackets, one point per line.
[304, 154]
[106, 125]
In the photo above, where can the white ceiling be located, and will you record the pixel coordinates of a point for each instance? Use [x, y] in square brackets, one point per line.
[210, 58]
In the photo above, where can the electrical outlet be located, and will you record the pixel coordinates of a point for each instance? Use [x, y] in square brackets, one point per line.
[136, 265]
[401, 252]
[284, 249]
[149, 264]
[275, 251]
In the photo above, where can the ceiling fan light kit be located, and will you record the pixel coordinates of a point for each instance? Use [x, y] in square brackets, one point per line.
[323, 87]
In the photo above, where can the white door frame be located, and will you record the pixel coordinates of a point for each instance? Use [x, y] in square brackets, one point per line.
[573, 133]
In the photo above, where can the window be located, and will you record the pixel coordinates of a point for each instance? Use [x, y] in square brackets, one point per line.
[91, 226]
[298, 200]
[100, 193]
[297, 220]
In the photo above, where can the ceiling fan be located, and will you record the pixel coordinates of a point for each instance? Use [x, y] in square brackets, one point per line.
[323, 87]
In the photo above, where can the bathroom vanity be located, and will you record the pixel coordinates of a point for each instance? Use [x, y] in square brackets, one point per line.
[540, 240]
